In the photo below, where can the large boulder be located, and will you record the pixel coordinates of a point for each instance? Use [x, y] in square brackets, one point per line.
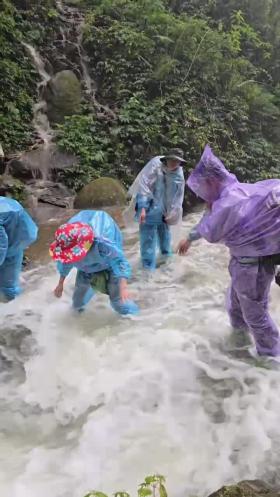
[102, 192]
[63, 96]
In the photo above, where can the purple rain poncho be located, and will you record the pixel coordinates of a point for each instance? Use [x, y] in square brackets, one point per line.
[244, 217]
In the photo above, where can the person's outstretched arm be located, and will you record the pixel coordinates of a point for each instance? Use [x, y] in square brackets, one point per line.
[193, 236]
[64, 270]
[184, 245]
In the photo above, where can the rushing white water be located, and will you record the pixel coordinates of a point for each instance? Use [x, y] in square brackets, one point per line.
[107, 400]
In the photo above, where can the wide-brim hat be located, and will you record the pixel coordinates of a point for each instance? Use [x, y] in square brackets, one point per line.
[174, 154]
[72, 242]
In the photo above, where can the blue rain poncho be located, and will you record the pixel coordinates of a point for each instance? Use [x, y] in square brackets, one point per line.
[160, 192]
[17, 232]
[106, 254]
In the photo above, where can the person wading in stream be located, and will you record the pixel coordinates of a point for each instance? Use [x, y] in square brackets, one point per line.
[158, 194]
[17, 232]
[245, 218]
[92, 242]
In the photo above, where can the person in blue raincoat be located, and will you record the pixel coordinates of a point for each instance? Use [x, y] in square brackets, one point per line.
[17, 232]
[92, 243]
[159, 193]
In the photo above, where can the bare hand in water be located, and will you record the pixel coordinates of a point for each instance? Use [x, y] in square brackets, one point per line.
[124, 294]
[183, 247]
[58, 291]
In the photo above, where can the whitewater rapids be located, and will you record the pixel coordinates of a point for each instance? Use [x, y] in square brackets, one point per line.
[97, 401]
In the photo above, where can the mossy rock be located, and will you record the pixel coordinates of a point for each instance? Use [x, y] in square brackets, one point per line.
[102, 192]
[63, 95]
[14, 188]
[256, 488]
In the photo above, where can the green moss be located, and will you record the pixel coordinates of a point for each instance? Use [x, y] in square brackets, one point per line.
[63, 95]
[103, 192]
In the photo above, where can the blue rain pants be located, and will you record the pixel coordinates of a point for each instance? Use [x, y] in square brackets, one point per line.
[84, 292]
[9, 275]
[152, 235]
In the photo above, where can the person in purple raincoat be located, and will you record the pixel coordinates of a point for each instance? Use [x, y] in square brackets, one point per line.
[245, 218]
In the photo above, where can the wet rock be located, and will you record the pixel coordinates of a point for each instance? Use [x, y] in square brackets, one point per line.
[11, 187]
[256, 488]
[63, 96]
[41, 162]
[50, 193]
[101, 192]
[19, 169]
[16, 344]
[13, 337]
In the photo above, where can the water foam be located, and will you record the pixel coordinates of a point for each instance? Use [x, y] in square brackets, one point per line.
[107, 400]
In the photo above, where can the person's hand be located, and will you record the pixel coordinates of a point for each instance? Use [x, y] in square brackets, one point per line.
[142, 218]
[277, 278]
[168, 219]
[124, 294]
[183, 247]
[58, 291]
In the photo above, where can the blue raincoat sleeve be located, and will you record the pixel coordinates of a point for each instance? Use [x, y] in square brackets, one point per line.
[115, 258]
[28, 230]
[3, 244]
[147, 180]
[64, 269]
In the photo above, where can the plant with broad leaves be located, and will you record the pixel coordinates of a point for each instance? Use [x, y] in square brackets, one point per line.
[152, 486]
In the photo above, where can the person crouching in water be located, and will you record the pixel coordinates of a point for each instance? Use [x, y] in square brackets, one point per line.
[159, 193]
[245, 218]
[92, 243]
[17, 232]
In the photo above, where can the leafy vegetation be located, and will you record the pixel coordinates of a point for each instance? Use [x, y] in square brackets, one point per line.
[153, 486]
[17, 81]
[169, 72]
[184, 74]
[20, 21]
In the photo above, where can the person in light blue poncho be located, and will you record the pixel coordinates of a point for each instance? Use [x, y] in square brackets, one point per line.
[17, 232]
[158, 193]
[92, 243]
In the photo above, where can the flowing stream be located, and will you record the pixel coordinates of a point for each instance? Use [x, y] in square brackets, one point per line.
[96, 401]
[40, 121]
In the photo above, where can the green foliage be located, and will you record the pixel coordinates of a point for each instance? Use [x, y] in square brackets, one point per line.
[17, 82]
[98, 148]
[174, 73]
[153, 485]
[178, 78]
